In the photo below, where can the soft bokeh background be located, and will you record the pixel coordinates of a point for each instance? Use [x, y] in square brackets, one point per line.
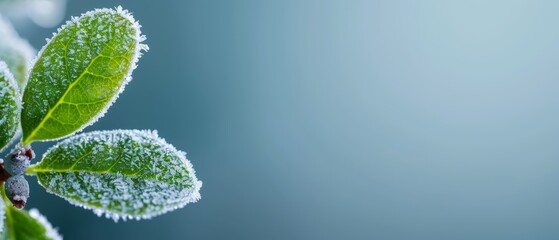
[344, 119]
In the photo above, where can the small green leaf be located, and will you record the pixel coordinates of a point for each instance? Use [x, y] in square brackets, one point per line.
[80, 73]
[122, 173]
[23, 225]
[9, 106]
[16, 52]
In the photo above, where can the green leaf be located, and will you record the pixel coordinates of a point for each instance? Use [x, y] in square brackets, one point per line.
[80, 73]
[23, 225]
[16, 52]
[9, 106]
[2, 212]
[122, 173]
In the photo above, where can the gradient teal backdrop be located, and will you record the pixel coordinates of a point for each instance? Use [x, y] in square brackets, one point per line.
[344, 119]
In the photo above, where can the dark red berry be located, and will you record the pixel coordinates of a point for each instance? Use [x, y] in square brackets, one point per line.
[29, 152]
[17, 162]
[19, 204]
[17, 190]
[4, 175]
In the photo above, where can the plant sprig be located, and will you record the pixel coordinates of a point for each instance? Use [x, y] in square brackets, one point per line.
[76, 76]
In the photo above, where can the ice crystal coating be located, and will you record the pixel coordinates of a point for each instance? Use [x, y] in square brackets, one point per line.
[16, 52]
[51, 232]
[79, 73]
[21, 224]
[9, 106]
[121, 173]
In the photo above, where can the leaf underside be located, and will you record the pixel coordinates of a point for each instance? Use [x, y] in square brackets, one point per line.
[79, 73]
[122, 173]
[9, 106]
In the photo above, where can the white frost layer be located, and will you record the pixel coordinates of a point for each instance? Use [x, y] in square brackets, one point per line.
[10, 39]
[6, 29]
[51, 233]
[139, 197]
[138, 48]
[6, 73]
[5, 88]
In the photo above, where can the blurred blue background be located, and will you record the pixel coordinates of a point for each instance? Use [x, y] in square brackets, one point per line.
[344, 119]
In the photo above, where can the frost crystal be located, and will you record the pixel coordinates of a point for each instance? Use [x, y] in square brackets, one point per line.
[123, 174]
[51, 232]
[10, 104]
[79, 73]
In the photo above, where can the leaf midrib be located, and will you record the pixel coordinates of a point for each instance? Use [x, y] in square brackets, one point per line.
[42, 170]
[28, 139]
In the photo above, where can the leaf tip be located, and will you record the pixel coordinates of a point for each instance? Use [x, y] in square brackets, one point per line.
[107, 19]
[51, 232]
[155, 179]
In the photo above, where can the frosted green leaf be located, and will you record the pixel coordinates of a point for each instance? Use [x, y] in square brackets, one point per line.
[16, 52]
[80, 73]
[9, 106]
[121, 173]
[23, 225]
